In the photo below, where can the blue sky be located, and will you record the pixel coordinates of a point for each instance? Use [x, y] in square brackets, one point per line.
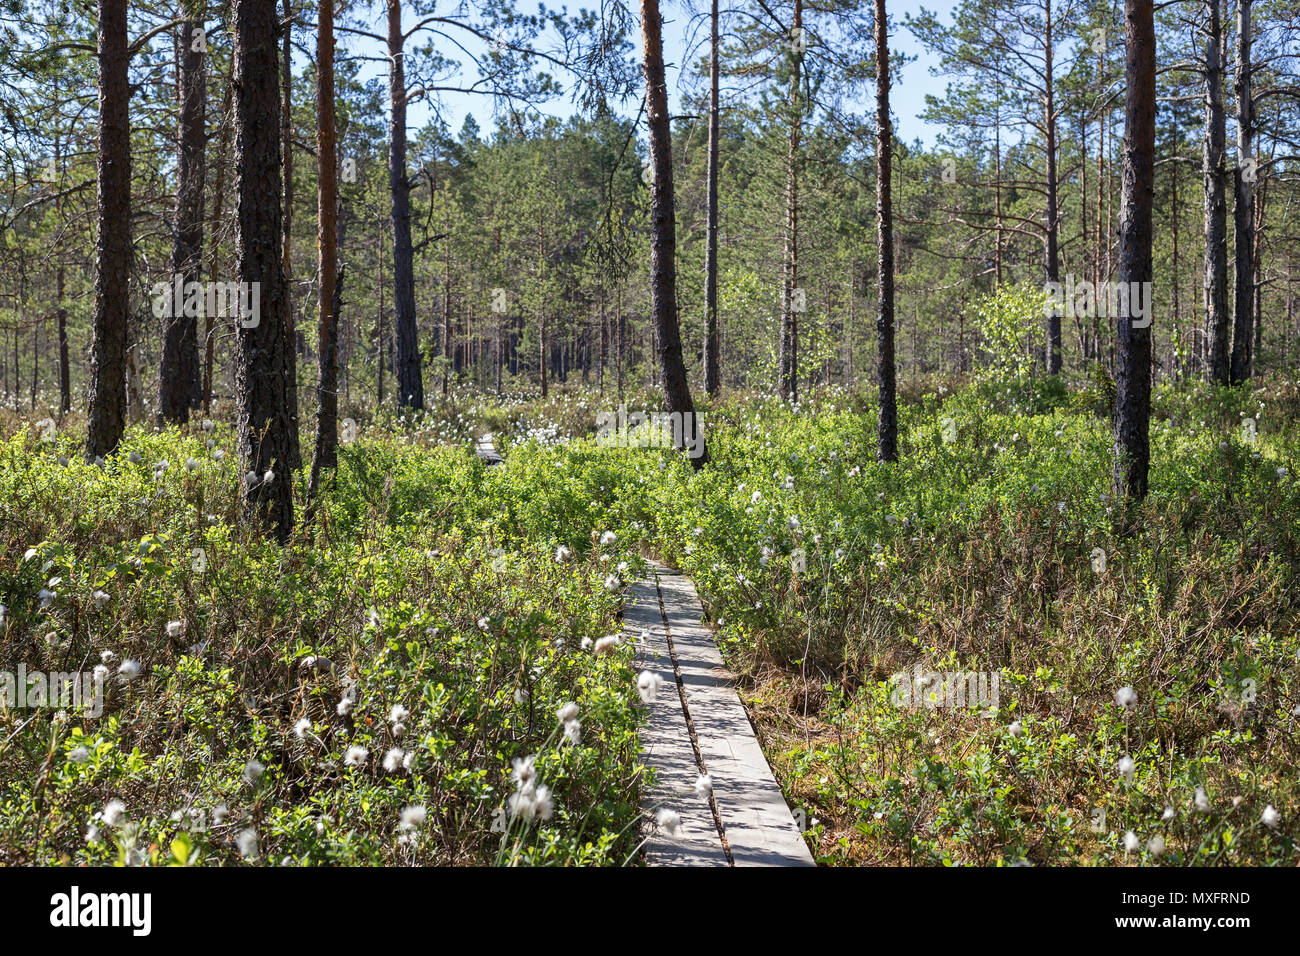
[907, 96]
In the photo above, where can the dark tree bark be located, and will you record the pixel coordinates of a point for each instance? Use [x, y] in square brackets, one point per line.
[179, 385]
[214, 245]
[1216, 210]
[1051, 252]
[410, 384]
[106, 417]
[65, 383]
[790, 264]
[663, 232]
[1133, 378]
[261, 365]
[887, 432]
[712, 366]
[290, 317]
[1243, 213]
[327, 397]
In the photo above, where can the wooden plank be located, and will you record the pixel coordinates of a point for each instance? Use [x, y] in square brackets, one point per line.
[667, 744]
[759, 827]
[756, 822]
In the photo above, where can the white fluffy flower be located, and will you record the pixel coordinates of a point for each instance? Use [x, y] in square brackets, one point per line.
[1131, 842]
[670, 821]
[573, 732]
[607, 538]
[398, 713]
[1017, 729]
[412, 816]
[1126, 696]
[1202, 800]
[253, 771]
[607, 643]
[562, 554]
[567, 713]
[612, 582]
[1269, 817]
[1156, 845]
[355, 756]
[79, 755]
[523, 769]
[1126, 768]
[247, 842]
[647, 685]
[129, 670]
[301, 728]
[543, 805]
[393, 759]
[175, 628]
[703, 786]
[112, 812]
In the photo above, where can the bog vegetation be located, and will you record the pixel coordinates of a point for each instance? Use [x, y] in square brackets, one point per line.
[1007, 572]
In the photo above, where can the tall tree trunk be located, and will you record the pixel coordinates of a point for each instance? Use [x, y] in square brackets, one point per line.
[790, 270]
[65, 383]
[214, 243]
[379, 325]
[410, 383]
[1052, 258]
[261, 366]
[1243, 214]
[663, 235]
[448, 350]
[887, 432]
[1133, 378]
[107, 412]
[179, 385]
[290, 316]
[1174, 370]
[1257, 283]
[712, 366]
[1214, 172]
[327, 396]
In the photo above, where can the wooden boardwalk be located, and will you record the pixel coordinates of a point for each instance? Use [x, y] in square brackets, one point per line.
[487, 451]
[698, 725]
